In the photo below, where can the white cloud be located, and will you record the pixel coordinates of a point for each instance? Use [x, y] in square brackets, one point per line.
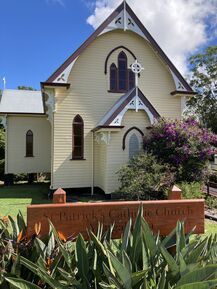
[179, 26]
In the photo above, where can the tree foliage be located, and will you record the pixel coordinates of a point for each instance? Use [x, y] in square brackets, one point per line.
[144, 177]
[204, 81]
[184, 145]
[23, 87]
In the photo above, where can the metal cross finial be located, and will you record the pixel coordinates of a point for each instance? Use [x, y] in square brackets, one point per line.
[136, 69]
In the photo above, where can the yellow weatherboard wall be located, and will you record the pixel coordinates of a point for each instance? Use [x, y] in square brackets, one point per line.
[88, 96]
[16, 161]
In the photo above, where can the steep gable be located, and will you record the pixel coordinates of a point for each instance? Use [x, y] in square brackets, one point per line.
[122, 18]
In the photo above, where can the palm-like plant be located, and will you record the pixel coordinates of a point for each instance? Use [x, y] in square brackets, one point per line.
[139, 260]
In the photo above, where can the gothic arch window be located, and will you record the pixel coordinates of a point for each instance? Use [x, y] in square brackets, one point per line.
[122, 71]
[29, 143]
[121, 77]
[113, 77]
[127, 132]
[133, 145]
[78, 138]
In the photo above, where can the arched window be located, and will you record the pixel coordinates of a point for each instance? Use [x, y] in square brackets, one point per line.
[78, 138]
[121, 77]
[29, 143]
[127, 132]
[133, 146]
[113, 77]
[122, 72]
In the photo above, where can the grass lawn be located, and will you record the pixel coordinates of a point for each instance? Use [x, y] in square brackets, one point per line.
[15, 198]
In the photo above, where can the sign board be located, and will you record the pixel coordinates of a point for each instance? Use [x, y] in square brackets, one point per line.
[74, 218]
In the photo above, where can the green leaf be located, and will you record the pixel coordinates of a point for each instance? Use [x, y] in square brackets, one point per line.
[126, 236]
[174, 268]
[40, 247]
[196, 252]
[126, 261]
[149, 239]
[65, 253]
[111, 277]
[21, 222]
[15, 270]
[137, 277]
[199, 285]
[201, 274]
[15, 229]
[39, 270]
[21, 284]
[51, 243]
[82, 259]
[162, 281]
[122, 271]
[98, 244]
[107, 286]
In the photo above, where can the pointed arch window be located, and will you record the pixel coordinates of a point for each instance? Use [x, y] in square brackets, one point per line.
[29, 143]
[113, 77]
[78, 138]
[121, 77]
[122, 71]
[133, 146]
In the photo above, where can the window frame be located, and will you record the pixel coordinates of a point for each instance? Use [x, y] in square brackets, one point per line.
[121, 57]
[113, 68]
[29, 142]
[77, 123]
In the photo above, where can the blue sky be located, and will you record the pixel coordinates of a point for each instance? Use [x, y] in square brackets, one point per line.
[36, 36]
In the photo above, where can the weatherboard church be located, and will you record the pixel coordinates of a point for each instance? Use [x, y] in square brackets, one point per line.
[91, 114]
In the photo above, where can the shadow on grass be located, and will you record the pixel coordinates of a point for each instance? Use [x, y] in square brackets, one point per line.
[36, 193]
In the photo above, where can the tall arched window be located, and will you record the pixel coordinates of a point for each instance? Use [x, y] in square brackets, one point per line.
[113, 77]
[122, 71]
[29, 143]
[133, 146]
[121, 77]
[78, 138]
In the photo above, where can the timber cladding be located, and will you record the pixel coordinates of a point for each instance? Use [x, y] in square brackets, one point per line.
[74, 218]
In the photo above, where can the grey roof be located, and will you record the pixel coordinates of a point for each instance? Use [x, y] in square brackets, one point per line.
[21, 101]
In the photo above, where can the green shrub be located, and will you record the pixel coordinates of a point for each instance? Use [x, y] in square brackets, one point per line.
[184, 145]
[144, 178]
[138, 260]
[213, 178]
[191, 190]
[211, 202]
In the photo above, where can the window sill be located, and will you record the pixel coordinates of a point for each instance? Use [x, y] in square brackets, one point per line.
[117, 91]
[29, 156]
[77, 159]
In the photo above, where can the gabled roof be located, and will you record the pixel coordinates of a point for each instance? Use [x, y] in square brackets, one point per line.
[21, 102]
[128, 101]
[116, 21]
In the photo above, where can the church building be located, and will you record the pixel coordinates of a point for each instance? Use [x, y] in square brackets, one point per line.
[91, 114]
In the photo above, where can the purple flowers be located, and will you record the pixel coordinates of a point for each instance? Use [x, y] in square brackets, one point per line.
[182, 144]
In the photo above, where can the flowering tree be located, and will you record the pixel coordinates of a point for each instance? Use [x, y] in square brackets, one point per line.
[184, 145]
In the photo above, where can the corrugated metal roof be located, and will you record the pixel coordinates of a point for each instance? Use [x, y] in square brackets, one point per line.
[21, 101]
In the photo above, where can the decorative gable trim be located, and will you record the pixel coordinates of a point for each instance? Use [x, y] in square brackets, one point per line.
[92, 37]
[128, 101]
[123, 17]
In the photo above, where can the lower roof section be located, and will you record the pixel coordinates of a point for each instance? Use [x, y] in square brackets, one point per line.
[21, 102]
